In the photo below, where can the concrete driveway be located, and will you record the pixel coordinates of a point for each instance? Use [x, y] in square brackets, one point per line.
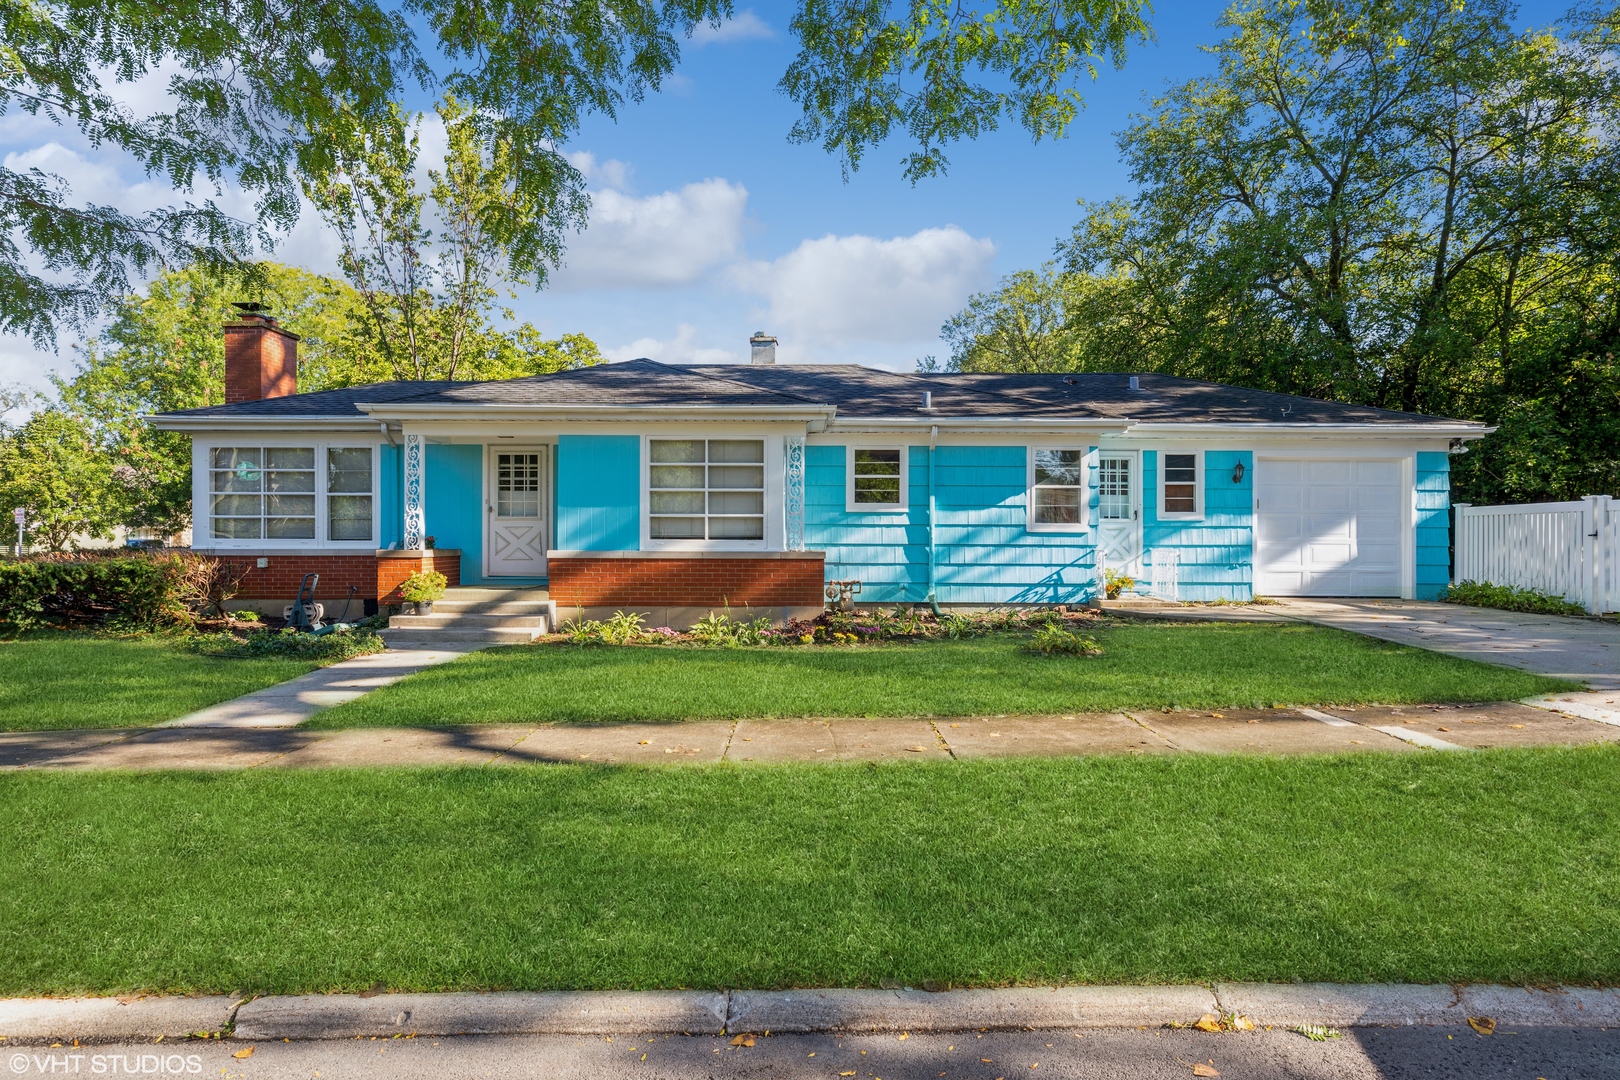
[1582, 650]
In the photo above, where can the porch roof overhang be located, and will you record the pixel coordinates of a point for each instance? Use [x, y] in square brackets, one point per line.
[172, 422]
[502, 412]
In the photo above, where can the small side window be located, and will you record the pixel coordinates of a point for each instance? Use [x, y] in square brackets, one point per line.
[876, 479]
[1181, 483]
[1058, 493]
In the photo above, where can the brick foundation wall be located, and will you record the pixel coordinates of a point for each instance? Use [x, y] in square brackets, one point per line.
[610, 579]
[376, 575]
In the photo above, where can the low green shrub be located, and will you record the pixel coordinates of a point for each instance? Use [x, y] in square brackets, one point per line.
[1054, 640]
[77, 591]
[325, 648]
[1509, 598]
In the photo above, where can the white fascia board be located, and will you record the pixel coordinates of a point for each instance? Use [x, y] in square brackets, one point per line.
[967, 425]
[194, 424]
[1453, 430]
[707, 414]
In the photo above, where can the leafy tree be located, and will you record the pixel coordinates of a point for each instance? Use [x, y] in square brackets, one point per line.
[269, 94]
[1403, 203]
[52, 466]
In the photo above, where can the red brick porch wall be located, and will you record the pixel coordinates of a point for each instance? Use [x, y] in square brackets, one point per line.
[682, 579]
[377, 575]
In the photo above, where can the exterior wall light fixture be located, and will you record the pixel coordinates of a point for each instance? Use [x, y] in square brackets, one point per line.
[1237, 473]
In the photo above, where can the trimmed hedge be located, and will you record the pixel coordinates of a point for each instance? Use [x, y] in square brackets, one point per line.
[71, 591]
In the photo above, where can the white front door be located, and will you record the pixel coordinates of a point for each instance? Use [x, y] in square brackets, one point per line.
[1119, 511]
[517, 536]
[1327, 528]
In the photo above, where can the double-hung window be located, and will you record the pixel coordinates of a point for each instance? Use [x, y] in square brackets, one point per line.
[706, 489]
[283, 493]
[877, 479]
[1180, 486]
[1057, 489]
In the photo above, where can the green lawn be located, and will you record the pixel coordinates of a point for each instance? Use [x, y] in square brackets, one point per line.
[1209, 665]
[1497, 865]
[54, 681]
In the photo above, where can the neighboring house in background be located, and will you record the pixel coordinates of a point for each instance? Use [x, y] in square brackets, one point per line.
[674, 489]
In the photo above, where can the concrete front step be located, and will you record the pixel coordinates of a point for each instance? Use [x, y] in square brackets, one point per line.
[481, 607]
[409, 638]
[461, 620]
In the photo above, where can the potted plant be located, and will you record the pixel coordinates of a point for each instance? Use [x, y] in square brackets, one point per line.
[422, 588]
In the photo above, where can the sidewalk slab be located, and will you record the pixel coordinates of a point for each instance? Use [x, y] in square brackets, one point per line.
[1262, 731]
[1342, 1005]
[112, 1018]
[1600, 705]
[410, 747]
[878, 740]
[1045, 736]
[965, 1010]
[345, 1016]
[292, 702]
[782, 740]
[21, 749]
[698, 742]
[187, 748]
[1484, 727]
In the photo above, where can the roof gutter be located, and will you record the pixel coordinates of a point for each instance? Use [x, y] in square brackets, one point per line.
[170, 422]
[512, 412]
[970, 424]
[1455, 429]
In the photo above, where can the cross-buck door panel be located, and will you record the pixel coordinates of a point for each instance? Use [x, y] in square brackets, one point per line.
[519, 531]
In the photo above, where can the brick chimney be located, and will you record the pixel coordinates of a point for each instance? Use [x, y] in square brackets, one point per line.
[761, 348]
[261, 359]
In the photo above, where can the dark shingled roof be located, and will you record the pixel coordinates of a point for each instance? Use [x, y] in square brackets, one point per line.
[857, 392]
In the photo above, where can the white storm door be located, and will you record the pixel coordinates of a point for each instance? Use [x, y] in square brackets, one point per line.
[1119, 511]
[517, 505]
[1327, 528]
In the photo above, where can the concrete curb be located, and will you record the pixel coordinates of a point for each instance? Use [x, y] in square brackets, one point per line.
[113, 1018]
[343, 1016]
[659, 1012]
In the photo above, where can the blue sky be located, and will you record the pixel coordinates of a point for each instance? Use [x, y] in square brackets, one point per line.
[707, 224]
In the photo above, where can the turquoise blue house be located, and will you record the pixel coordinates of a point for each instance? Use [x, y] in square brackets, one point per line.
[655, 485]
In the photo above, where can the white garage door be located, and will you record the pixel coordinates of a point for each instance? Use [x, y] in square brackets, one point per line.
[1327, 528]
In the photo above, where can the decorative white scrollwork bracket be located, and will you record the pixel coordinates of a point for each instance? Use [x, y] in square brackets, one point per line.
[415, 493]
[795, 493]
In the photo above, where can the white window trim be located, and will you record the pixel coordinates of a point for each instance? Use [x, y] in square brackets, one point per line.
[774, 524]
[202, 518]
[1088, 462]
[1160, 513]
[853, 507]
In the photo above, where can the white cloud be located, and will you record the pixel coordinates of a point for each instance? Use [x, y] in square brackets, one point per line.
[743, 26]
[841, 289]
[611, 173]
[681, 349]
[673, 238]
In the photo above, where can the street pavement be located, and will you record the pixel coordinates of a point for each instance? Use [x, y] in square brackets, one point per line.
[1107, 1054]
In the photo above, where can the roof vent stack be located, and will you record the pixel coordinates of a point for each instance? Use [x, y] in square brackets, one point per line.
[1136, 383]
[928, 401]
[761, 348]
[261, 359]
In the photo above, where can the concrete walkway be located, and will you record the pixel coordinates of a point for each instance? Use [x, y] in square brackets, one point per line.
[290, 703]
[1582, 650]
[1386, 729]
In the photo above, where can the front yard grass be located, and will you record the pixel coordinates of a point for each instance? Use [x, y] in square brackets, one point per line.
[1144, 666]
[53, 681]
[1496, 865]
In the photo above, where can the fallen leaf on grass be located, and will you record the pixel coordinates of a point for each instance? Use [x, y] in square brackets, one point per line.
[245, 1052]
[1482, 1024]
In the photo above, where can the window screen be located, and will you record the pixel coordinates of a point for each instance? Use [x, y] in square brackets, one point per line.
[706, 489]
[1181, 483]
[1059, 480]
[262, 492]
[877, 477]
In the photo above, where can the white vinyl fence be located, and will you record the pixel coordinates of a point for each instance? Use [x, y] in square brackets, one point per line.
[1568, 549]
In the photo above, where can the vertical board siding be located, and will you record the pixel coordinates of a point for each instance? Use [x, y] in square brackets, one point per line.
[983, 553]
[454, 514]
[1217, 552]
[1433, 521]
[390, 496]
[599, 493]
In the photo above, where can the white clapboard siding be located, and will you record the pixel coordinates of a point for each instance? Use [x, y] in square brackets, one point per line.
[1568, 549]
